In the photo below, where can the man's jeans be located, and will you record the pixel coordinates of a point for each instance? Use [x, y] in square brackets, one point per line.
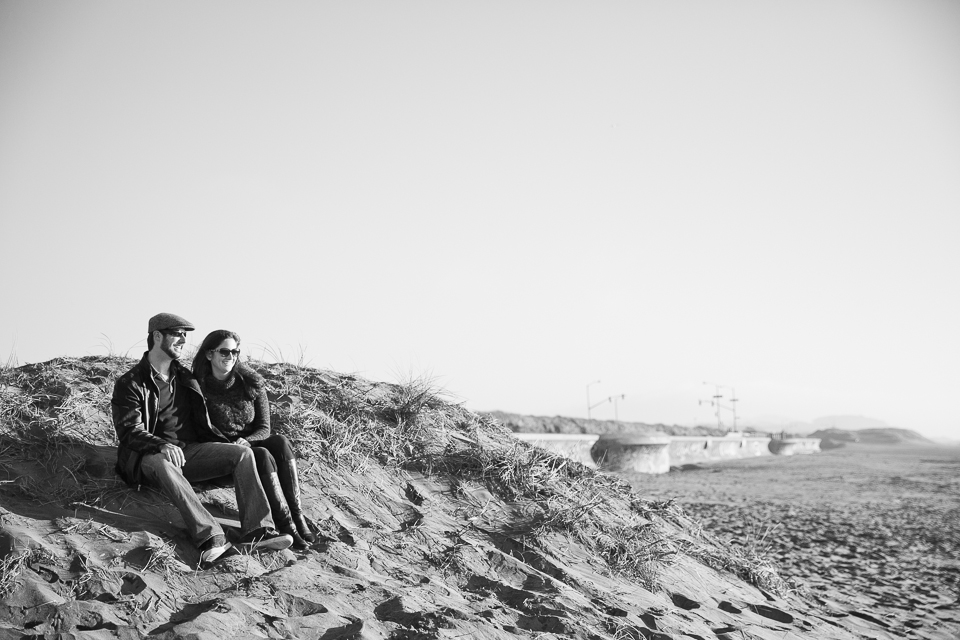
[205, 461]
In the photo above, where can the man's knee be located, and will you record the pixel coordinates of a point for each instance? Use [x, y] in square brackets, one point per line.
[156, 465]
[245, 459]
[234, 454]
[160, 473]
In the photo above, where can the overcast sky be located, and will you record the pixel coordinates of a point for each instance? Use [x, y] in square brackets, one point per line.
[517, 198]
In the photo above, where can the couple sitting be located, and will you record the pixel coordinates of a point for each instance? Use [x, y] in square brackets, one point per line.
[175, 428]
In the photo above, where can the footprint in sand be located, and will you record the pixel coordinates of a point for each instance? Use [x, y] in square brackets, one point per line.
[684, 602]
[729, 607]
[771, 613]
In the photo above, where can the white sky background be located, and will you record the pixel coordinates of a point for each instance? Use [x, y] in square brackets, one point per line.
[516, 197]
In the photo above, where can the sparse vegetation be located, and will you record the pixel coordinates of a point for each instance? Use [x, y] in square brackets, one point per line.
[409, 425]
[13, 565]
[63, 402]
[10, 569]
[749, 564]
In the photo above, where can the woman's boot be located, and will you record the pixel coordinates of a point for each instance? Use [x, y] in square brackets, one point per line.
[281, 512]
[290, 481]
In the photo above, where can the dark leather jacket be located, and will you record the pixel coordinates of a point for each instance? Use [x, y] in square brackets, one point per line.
[135, 407]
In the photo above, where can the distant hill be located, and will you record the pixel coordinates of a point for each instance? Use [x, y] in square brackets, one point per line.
[885, 435]
[849, 423]
[519, 423]
[776, 424]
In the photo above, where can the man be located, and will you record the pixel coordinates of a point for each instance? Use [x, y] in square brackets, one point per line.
[167, 442]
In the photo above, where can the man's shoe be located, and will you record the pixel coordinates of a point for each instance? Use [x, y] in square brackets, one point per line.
[264, 539]
[212, 549]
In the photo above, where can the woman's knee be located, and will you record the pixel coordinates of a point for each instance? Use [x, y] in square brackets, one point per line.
[264, 458]
[280, 447]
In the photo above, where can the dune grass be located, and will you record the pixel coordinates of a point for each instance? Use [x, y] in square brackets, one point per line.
[59, 403]
[52, 413]
[347, 422]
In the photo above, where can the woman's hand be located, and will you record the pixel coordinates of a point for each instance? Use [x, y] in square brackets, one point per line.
[242, 442]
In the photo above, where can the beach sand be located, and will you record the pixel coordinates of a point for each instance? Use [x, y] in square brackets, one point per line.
[871, 530]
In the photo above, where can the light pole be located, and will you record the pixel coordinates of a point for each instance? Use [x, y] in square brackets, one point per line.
[733, 406]
[616, 415]
[588, 397]
[612, 399]
[715, 402]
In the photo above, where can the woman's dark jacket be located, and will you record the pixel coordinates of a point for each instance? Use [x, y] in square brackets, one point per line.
[238, 406]
[135, 405]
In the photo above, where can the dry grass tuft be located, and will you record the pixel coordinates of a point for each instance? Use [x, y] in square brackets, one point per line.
[750, 561]
[346, 421]
[757, 569]
[53, 405]
[514, 470]
[12, 567]
[163, 561]
[52, 413]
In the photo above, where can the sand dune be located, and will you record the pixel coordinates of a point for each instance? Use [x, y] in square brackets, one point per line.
[434, 522]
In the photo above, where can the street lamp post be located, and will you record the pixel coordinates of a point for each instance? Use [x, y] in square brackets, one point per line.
[588, 397]
[616, 415]
[612, 399]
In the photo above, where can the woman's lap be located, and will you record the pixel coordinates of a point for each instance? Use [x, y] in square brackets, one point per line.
[270, 451]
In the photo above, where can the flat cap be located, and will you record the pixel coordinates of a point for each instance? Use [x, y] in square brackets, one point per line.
[164, 321]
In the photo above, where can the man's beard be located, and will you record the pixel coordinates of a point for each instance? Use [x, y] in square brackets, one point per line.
[167, 348]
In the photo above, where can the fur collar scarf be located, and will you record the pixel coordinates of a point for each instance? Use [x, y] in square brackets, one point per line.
[251, 381]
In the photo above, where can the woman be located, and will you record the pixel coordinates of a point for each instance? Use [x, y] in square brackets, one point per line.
[237, 402]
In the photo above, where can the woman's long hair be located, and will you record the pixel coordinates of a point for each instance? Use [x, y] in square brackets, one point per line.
[201, 365]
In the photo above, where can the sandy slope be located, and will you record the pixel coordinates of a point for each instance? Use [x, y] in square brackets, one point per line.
[434, 523]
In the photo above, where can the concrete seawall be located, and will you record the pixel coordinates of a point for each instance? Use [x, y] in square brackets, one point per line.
[795, 446]
[691, 449]
[656, 454]
[640, 454]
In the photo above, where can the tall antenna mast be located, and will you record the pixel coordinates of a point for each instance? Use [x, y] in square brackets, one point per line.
[714, 402]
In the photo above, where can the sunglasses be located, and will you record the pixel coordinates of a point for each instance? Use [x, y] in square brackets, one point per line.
[176, 334]
[226, 353]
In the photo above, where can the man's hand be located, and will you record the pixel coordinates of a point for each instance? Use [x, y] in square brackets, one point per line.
[173, 454]
[243, 442]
